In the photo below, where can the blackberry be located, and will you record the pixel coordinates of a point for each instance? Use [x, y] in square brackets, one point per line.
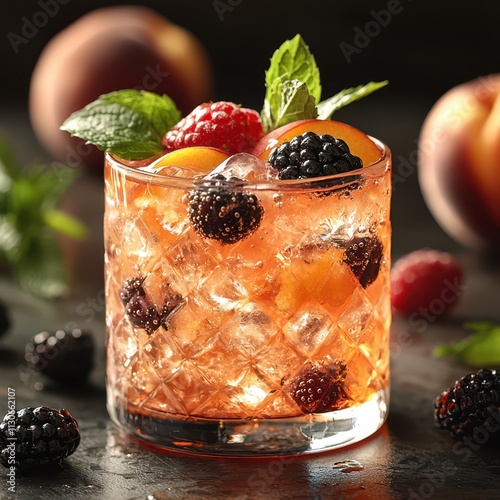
[66, 356]
[471, 404]
[311, 155]
[4, 319]
[219, 213]
[364, 256]
[141, 312]
[33, 437]
[130, 288]
[319, 389]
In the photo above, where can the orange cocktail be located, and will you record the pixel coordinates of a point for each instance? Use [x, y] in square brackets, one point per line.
[270, 340]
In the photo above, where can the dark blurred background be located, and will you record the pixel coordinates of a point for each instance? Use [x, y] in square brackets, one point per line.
[423, 48]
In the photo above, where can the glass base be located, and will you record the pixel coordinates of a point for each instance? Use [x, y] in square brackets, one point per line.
[249, 438]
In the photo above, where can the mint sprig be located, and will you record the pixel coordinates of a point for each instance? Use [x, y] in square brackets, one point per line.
[479, 349]
[29, 222]
[344, 97]
[292, 62]
[293, 88]
[290, 103]
[129, 123]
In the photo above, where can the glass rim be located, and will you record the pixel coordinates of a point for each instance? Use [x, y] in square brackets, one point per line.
[330, 182]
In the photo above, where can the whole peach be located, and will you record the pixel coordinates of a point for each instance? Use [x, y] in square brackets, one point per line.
[109, 49]
[459, 162]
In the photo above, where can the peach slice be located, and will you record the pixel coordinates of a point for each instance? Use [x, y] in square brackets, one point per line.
[199, 159]
[322, 275]
[359, 143]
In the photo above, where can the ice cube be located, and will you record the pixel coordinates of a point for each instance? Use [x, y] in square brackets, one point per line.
[244, 166]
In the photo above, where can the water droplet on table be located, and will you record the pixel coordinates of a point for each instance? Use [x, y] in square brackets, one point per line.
[348, 466]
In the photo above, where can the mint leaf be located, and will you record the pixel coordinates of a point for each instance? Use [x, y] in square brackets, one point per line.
[9, 169]
[40, 268]
[344, 97]
[129, 123]
[29, 220]
[10, 238]
[480, 349]
[292, 61]
[290, 103]
[65, 224]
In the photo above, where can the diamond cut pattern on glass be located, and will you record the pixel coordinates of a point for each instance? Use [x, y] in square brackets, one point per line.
[309, 327]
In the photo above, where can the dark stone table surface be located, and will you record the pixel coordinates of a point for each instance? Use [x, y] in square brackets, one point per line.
[409, 457]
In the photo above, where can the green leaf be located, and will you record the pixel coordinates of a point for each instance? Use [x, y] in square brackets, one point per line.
[292, 61]
[29, 218]
[8, 162]
[40, 268]
[480, 349]
[65, 224]
[129, 123]
[51, 183]
[291, 103]
[10, 238]
[9, 171]
[344, 97]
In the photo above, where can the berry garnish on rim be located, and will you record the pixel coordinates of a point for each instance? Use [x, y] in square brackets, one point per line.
[155, 125]
[222, 125]
[309, 155]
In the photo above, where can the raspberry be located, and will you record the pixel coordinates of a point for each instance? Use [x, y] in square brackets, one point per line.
[319, 389]
[141, 312]
[221, 125]
[471, 404]
[219, 213]
[64, 356]
[425, 279]
[364, 256]
[4, 319]
[309, 155]
[41, 436]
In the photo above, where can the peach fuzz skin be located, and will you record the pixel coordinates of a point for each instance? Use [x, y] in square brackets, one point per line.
[459, 162]
[109, 49]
